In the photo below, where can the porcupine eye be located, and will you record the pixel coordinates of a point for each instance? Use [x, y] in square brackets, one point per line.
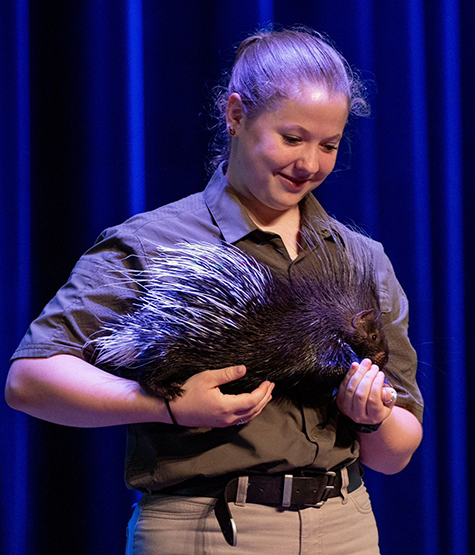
[374, 337]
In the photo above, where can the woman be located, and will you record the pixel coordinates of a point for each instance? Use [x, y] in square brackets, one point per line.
[286, 107]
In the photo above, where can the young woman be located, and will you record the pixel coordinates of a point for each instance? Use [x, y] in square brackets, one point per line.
[238, 473]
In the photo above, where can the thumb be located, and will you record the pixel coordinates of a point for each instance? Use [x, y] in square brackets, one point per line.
[389, 395]
[229, 374]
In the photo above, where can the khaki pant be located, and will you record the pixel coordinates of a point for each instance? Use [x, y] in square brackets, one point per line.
[175, 525]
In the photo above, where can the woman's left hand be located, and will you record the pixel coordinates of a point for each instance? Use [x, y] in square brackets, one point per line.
[362, 395]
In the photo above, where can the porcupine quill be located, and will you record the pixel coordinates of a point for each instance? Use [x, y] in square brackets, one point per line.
[207, 307]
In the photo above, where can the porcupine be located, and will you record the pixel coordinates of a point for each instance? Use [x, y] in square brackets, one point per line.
[209, 306]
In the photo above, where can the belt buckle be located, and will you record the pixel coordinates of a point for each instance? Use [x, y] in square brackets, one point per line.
[329, 486]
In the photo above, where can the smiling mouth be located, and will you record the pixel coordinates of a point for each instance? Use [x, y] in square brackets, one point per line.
[296, 183]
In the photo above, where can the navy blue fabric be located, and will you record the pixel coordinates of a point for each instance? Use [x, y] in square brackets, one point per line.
[100, 101]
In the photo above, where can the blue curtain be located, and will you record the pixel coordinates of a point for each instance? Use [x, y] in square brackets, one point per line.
[103, 113]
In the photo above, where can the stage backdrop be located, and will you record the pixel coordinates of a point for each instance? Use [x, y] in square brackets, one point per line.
[104, 113]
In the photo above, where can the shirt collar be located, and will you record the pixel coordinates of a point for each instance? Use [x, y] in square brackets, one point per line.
[233, 220]
[228, 212]
[315, 218]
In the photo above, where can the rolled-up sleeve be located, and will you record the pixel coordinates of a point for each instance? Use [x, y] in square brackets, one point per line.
[97, 290]
[402, 362]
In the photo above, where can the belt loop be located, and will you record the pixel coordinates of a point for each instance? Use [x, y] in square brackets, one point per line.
[287, 491]
[345, 482]
[241, 493]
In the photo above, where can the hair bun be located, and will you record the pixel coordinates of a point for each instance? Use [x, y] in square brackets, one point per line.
[247, 42]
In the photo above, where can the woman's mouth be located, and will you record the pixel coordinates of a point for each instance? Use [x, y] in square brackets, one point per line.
[294, 182]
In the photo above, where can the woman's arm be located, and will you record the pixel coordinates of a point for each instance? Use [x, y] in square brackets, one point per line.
[67, 390]
[362, 398]
[390, 448]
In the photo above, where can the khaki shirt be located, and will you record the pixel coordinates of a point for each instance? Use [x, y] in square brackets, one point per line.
[283, 437]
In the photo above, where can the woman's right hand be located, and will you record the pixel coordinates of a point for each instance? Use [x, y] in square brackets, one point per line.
[204, 405]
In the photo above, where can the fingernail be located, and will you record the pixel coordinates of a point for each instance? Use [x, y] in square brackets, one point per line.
[240, 370]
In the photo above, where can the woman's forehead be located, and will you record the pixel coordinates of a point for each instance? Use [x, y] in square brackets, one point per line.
[306, 97]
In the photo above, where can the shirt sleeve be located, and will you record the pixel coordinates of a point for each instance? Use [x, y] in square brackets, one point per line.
[97, 291]
[402, 361]
[100, 287]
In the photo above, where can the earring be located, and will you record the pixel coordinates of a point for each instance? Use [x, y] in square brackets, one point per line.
[231, 131]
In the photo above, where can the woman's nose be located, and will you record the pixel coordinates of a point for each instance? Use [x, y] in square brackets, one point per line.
[310, 161]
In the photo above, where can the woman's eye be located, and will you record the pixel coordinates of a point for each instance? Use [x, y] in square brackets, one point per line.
[288, 139]
[331, 148]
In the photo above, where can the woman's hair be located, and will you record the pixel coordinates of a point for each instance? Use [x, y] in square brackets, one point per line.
[274, 65]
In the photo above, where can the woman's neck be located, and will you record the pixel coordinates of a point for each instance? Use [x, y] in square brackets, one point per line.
[286, 224]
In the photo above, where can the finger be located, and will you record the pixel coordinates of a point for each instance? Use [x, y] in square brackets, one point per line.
[360, 396]
[342, 389]
[365, 366]
[389, 396]
[355, 401]
[245, 403]
[374, 403]
[353, 368]
[377, 385]
[254, 411]
[353, 383]
[226, 375]
[245, 416]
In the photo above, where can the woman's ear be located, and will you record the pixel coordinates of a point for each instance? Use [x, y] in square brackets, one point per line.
[234, 112]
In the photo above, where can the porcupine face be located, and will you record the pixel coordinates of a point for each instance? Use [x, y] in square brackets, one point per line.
[342, 296]
[369, 340]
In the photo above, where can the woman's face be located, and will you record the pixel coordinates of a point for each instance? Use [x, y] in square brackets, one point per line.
[279, 157]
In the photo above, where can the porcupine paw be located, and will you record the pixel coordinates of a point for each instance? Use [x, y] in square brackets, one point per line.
[380, 359]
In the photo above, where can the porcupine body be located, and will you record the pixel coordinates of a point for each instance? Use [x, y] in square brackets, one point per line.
[207, 307]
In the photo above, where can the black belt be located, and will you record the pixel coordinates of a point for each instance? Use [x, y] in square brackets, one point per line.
[286, 491]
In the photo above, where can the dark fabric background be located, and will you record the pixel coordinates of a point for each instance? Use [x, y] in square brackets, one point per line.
[104, 112]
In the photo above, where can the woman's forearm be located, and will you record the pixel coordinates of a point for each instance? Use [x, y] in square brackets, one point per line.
[390, 448]
[67, 390]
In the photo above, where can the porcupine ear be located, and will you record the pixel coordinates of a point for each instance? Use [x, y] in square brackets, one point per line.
[362, 322]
